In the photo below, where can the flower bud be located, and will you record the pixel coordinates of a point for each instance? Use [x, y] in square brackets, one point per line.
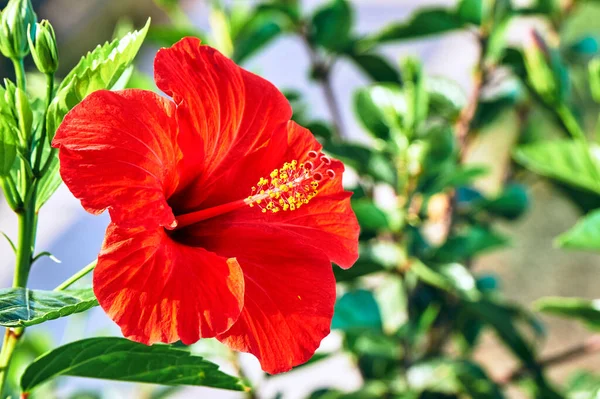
[24, 112]
[594, 78]
[14, 22]
[42, 43]
[545, 71]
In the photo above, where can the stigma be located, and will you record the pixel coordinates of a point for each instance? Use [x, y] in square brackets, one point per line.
[291, 186]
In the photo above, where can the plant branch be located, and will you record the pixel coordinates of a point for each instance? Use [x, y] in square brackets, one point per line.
[19, 73]
[586, 348]
[77, 276]
[322, 72]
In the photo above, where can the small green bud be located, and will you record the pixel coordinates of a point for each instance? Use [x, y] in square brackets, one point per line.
[43, 47]
[24, 112]
[594, 78]
[545, 71]
[14, 22]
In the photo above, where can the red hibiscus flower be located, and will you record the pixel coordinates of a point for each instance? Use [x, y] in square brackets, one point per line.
[225, 214]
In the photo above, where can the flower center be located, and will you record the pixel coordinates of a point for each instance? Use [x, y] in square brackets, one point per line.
[286, 189]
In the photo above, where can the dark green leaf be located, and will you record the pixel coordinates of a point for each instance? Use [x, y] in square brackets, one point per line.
[584, 310]
[99, 69]
[357, 310]
[585, 235]
[331, 25]
[563, 160]
[510, 204]
[376, 67]
[502, 319]
[256, 34]
[422, 23]
[471, 11]
[369, 216]
[469, 243]
[20, 307]
[119, 359]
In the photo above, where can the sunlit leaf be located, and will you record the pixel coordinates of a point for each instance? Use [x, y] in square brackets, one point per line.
[99, 69]
[120, 359]
[563, 160]
[20, 307]
[584, 310]
[585, 235]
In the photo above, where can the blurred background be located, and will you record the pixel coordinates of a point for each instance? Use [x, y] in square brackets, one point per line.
[394, 327]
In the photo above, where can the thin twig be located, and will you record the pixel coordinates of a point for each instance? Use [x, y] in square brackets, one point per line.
[586, 348]
[322, 71]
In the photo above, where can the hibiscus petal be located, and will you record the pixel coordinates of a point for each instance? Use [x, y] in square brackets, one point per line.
[327, 223]
[224, 112]
[118, 150]
[157, 290]
[288, 302]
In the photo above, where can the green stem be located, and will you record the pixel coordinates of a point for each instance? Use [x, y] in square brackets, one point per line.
[77, 276]
[27, 220]
[42, 141]
[570, 123]
[19, 73]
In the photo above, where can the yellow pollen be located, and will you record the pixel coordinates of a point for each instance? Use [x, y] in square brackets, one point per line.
[289, 187]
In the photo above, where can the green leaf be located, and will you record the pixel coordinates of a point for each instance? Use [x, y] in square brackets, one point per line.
[168, 35]
[20, 307]
[370, 217]
[585, 310]
[50, 181]
[255, 40]
[585, 235]
[392, 303]
[583, 385]
[331, 25]
[119, 359]
[451, 277]
[453, 376]
[380, 108]
[502, 319]
[563, 160]
[364, 160]
[373, 258]
[262, 26]
[357, 310]
[8, 147]
[422, 23]
[471, 11]
[376, 67]
[468, 243]
[446, 98]
[99, 69]
[510, 204]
